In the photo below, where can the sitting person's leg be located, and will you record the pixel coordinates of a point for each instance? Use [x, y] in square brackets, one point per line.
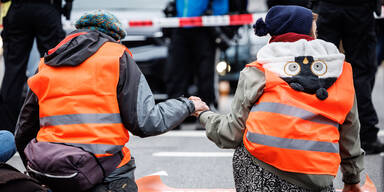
[122, 179]
[7, 145]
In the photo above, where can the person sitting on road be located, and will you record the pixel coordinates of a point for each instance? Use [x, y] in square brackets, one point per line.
[87, 94]
[294, 117]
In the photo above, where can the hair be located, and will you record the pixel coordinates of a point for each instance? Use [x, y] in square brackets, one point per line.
[314, 19]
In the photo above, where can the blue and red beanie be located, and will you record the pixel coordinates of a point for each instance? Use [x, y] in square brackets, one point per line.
[102, 21]
[285, 19]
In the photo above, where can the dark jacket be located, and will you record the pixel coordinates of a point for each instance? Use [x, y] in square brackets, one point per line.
[304, 3]
[139, 113]
[372, 3]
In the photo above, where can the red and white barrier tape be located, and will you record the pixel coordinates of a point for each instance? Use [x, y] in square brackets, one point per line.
[204, 21]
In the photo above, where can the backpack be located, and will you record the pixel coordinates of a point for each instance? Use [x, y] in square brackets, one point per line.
[12, 180]
[64, 167]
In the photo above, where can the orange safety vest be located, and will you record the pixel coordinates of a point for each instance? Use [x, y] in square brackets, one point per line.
[78, 104]
[295, 131]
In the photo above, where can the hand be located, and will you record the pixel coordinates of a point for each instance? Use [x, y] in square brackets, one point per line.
[66, 10]
[194, 98]
[200, 105]
[352, 188]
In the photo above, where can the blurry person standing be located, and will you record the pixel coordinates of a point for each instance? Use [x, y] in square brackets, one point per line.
[303, 3]
[192, 52]
[25, 21]
[352, 22]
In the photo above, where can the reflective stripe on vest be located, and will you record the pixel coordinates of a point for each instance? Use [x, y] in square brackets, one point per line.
[296, 144]
[78, 104]
[293, 111]
[80, 119]
[296, 132]
[99, 148]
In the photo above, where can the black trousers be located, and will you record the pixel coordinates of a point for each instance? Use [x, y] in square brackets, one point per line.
[380, 40]
[191, 60]
[24, 22]
[354, 25]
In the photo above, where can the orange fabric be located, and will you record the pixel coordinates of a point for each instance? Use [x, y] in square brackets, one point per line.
[297, 161]
[70, 134]
[335, 107]
[267, 119]
[127, 50]
[339, 101]
[89, 88]
[126, 158]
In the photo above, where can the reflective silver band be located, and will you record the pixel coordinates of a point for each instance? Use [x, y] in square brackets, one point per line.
[293, 111]
[107, 118]
[52, 176]
[97, 148]
[296, 144]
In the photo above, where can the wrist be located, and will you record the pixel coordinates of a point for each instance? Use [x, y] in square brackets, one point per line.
[198, 117]
[189, 103]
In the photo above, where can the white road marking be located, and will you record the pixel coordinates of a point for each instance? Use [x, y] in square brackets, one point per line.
[193, 154]
[161, 173]
[184, 134]
[381, 133]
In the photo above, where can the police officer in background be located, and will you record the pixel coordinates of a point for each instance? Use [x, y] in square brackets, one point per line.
[303, 3]
[352, 22]
[192, 52]
[25, 21]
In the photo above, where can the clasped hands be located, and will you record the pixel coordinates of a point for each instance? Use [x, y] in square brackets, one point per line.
[200, 105]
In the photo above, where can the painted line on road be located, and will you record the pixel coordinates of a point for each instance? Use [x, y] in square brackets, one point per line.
[184, 134]
[193, 154]
[161, 173]
[381, 133]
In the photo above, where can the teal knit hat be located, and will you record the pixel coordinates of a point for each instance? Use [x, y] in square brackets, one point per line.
[102, 21]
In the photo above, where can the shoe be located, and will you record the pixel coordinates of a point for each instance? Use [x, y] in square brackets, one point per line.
[373, 147]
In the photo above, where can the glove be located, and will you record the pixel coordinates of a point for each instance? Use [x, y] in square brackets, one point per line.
[66, 10]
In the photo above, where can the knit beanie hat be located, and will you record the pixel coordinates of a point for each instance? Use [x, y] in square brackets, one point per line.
[102, 21]
[285, 19]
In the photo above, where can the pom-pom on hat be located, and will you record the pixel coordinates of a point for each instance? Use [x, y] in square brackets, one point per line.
[102, 21]
[285, 19]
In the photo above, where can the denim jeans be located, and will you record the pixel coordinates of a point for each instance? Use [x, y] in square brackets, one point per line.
[7, 145]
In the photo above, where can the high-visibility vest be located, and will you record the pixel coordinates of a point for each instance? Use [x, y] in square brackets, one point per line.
[295, 131]
[78, 104]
